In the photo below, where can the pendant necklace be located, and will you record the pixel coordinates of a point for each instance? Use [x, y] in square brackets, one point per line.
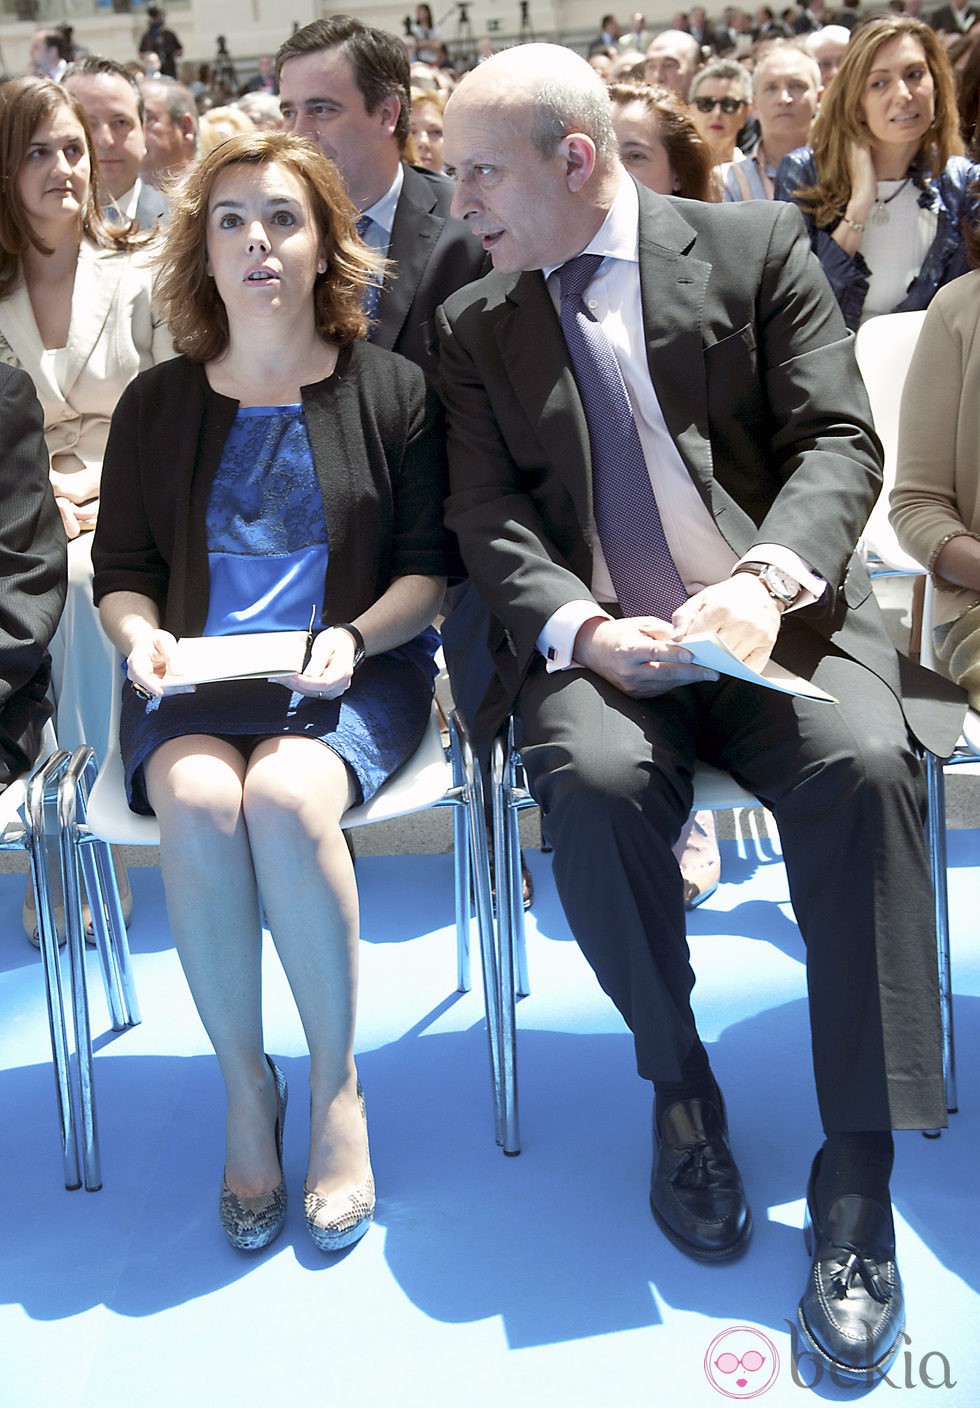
[879, 214]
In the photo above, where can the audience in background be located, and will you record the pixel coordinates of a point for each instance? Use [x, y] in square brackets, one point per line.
[785, 95]
[658, 142]
[48, 54]
[218, 124]
[157, 39]
[672, 61]
[114, 105]
[720, 102]
[171, 131]
[827, 46]
[425, 127]
[883, 186]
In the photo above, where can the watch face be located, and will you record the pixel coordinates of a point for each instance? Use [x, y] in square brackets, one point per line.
[782, 585]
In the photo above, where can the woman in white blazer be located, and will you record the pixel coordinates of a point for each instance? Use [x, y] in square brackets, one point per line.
[76, 314]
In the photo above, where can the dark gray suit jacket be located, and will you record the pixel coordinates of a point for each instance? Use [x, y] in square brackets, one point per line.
[755, 373]
[434, 256]
[33, 572]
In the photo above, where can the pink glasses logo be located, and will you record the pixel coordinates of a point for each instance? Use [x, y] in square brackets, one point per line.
[741, 1362]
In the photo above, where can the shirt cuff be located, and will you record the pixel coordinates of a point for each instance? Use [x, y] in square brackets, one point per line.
[557, 639]
[812, 585]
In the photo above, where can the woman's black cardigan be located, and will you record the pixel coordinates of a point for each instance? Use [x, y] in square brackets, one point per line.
[378, 448]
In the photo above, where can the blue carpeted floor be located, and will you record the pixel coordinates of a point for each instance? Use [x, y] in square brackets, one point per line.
[537, 1280]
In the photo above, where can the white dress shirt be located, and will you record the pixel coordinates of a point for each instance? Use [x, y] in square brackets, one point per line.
[701, 554]
[382, 214]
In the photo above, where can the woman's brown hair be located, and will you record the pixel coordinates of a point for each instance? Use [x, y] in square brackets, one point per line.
[689, 155]
[187, 295]
[24, 104]
[838, 123]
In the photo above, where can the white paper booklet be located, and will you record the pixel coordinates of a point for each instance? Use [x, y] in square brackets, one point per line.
[709, 650]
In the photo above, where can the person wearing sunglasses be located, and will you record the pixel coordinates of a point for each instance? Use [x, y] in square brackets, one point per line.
[719, 103]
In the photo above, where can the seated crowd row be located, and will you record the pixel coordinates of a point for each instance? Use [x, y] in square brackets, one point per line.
[233, 445]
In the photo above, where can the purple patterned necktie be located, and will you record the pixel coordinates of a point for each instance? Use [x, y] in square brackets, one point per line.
[372, 294]
[630, 529]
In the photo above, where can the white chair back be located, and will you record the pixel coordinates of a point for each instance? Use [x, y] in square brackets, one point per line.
[884, 348]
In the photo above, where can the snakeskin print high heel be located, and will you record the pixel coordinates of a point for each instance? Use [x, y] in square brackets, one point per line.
[252, 1223]
[340, 1220]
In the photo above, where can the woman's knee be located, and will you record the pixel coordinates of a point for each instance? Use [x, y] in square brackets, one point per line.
[301, 788]
[192, 792]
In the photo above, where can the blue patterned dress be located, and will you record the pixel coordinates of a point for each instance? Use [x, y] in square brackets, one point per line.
[267, 558]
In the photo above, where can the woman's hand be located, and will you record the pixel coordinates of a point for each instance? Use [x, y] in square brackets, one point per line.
[80, 487]
[331, 666]
[864, 190]
[69, 518]
[149, 659]
[864, 180]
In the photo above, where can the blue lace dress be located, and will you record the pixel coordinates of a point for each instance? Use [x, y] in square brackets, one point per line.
[267, 559]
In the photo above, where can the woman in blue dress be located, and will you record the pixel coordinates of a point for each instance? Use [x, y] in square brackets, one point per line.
[280, 464]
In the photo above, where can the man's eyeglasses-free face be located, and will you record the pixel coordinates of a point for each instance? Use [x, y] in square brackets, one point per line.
[729, 106]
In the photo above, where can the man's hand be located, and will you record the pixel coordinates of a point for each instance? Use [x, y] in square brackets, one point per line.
[740, 611]
[638, 655]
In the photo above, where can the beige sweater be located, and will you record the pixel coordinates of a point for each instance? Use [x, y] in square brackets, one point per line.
[937, 487]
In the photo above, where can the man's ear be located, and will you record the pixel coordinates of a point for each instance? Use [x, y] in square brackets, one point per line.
[579, 154]
[388, 111]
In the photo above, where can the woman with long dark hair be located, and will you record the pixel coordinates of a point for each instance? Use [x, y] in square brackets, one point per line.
[884, 187]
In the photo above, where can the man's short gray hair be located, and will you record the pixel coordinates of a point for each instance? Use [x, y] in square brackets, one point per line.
[572, 103]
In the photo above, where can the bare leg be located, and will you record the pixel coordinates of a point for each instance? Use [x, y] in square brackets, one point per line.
[195, 787]
[296, 792]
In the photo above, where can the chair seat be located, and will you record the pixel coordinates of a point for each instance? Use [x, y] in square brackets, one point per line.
[971, 732]
[716, 791]
[422, 783]
[13, 828]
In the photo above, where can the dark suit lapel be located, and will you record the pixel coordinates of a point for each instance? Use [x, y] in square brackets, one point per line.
[536, 359]
[673, 285]
[414, 233]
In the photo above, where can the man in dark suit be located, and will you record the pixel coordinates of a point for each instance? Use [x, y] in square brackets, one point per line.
[732, 427]
[347, 87]
[33, 573]
[113, 104]
[958, 17]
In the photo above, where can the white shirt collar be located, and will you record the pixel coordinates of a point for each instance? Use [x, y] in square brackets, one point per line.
[126, 203]
[618, 236]
[382, 212]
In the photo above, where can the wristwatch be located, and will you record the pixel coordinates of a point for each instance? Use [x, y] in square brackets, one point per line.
[356, 637]
[780, 586]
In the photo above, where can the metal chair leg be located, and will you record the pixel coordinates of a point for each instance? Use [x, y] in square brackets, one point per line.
[42, 788]
[109, 925]
[507, 862]
[516, 797]
[480, 871]
[67, 797]
[462, 868]
[936, 828]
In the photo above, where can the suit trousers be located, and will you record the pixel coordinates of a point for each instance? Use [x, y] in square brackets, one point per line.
[613, 777]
